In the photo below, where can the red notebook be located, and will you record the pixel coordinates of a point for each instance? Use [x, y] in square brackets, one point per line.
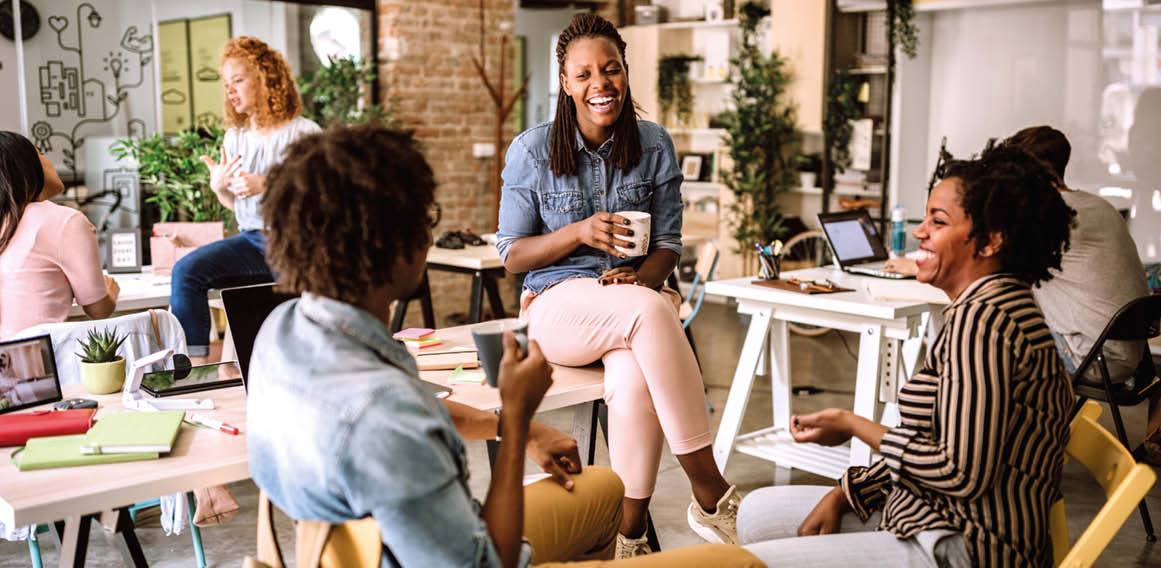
[16, 429]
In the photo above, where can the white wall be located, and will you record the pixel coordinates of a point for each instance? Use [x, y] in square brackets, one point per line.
[539, 26]
[10, 95]
[988, 72]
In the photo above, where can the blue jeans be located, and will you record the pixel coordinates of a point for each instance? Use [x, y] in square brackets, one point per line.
[1065, 352]
[237, 261]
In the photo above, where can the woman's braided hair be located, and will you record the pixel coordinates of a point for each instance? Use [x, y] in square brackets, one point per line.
[1009, 191]
[343, 206]
[626, 151]
[277, 100]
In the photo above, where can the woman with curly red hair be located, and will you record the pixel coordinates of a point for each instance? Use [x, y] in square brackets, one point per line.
[262, 111]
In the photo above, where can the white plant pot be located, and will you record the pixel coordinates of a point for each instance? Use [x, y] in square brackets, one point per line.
[807, 179]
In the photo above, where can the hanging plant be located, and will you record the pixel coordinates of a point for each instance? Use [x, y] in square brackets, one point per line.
[673, 87]
[763, 137]
[841, 108]
[904, 34]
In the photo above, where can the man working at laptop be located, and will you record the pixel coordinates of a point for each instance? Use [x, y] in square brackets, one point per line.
[340, 428]
[1098, 275]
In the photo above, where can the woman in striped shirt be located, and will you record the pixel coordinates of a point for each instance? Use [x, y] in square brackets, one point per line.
[969, 475]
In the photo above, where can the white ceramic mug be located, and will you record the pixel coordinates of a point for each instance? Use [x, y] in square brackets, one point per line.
[640, 224]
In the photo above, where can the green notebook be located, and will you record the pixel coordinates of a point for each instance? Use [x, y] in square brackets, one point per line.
[64, 451]
[133, 432]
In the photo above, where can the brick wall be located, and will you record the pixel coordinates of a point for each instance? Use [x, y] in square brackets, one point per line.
[425, 54]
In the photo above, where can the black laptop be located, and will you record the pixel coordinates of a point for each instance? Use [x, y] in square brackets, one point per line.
[246, 309]
[856, 243]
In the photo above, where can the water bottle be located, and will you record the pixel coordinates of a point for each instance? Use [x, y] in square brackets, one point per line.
[898, 230]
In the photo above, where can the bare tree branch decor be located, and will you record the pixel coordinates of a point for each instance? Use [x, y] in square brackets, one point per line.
[504, 105]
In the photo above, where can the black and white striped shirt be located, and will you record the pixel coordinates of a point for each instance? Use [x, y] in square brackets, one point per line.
[980, 445]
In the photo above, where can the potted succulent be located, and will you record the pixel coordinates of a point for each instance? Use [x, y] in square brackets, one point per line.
[102, 369]
[808, 166]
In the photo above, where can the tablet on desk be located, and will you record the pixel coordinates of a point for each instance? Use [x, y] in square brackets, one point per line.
[200, 378]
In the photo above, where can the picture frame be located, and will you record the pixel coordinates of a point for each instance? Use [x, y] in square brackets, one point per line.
[124, 251]
[691, 167]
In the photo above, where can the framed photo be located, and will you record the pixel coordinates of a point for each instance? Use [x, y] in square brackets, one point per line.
[124, 251]
[691, 167]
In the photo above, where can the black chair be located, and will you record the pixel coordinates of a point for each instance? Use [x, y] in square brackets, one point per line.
[1137, 320]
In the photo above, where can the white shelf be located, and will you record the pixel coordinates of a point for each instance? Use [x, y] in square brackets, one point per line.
[776, 445]
[693, 24]
[697, 131]
[818, 191]
[702, 185]
[709, 81]
[872, 70]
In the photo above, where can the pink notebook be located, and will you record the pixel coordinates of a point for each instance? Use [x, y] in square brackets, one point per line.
[413, 333]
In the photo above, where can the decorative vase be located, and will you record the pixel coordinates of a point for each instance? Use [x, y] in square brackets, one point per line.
[807, 179]
[103, 378]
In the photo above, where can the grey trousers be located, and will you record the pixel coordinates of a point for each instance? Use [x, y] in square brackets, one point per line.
[768, 523]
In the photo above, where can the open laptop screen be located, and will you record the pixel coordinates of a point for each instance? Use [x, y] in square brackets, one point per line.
[853, 237]
[27, 373]
[246, 309]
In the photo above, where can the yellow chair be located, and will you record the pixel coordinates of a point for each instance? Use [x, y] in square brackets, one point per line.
[354, 544]
[1124, 480]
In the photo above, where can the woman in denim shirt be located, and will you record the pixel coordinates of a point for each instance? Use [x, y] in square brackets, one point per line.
[585, 300]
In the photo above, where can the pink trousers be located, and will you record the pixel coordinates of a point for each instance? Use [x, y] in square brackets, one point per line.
[652, 384]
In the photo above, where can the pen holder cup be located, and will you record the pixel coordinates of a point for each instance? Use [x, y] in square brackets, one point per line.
[771, 266]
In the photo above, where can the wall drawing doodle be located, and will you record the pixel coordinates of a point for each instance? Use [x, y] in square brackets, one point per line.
[93, 91]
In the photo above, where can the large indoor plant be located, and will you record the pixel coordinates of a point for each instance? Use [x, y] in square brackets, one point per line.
[338, 94]
[763, 137]
[176, 181]
[102, 369]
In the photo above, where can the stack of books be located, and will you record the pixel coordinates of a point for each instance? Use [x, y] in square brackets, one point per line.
[116, 437]
[418, 338]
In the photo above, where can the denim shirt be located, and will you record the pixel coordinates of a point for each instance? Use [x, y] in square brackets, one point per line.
[338, 428]
[534, 201]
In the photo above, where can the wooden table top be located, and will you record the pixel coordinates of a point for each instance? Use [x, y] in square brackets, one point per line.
[570, 386]
[483, 257]
[201, 457]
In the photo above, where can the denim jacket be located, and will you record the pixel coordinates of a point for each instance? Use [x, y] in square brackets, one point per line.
[534, 201]
[338, 428]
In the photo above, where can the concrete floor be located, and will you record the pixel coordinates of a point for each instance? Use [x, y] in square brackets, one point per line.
[824, 362]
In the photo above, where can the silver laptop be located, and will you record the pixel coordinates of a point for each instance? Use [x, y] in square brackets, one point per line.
[856, 243]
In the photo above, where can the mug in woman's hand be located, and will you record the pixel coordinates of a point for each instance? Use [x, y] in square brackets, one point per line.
[639, 223]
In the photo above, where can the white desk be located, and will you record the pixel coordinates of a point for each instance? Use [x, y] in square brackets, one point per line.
[139, 291]
[890, 334]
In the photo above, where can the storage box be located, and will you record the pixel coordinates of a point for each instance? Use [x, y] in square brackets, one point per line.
[650, 14]
[172, 241]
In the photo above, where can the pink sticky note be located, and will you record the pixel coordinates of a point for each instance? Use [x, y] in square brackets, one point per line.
[413, 333]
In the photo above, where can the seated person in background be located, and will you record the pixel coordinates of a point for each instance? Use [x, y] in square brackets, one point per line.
[48, 252]
[262, 112]
[969, 476]
[1098, 274]
[339, 425]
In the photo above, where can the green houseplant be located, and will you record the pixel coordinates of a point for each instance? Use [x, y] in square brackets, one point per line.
[842, 106]
[102, 369]
[337, 94]
[762, 137]
[673, 88]
[808, 167]
[176, 180]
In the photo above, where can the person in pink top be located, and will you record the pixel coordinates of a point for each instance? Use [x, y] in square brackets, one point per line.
[48, 252]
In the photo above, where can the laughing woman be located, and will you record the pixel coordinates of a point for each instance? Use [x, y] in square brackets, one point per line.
[585, 300]
[262, 107]
[968, 477]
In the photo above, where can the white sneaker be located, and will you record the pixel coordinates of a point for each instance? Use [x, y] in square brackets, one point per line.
[630, 547]
[722, 525]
